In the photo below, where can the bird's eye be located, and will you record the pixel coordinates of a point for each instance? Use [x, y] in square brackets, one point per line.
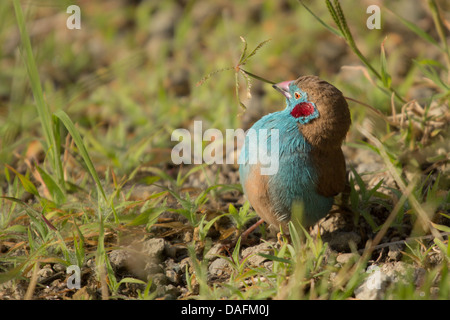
[297, 95]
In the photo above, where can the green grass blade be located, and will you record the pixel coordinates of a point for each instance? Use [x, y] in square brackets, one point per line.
[259, 46]
[385, 77]
[31, 212]
[161, 174]
[275, 258]
[55, 190]
[359, 181]
[256, 77]
[61, 115]
[342, 22]
[440, 27]
[41, 106]
[326, 25]
[181, 180]
[414, 28]
[209, 75]
[428, 68]
[244, 51]
[26, 183]
[334, 15]
[148, 217]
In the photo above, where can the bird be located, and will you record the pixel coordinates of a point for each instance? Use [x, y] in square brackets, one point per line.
[311, 167]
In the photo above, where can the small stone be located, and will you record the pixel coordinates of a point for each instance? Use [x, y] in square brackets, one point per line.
[159, 279]
[214, 251]
[171, 264]
[58, 267]
[186, 262]
[395, 253]
[187, 237]
[172, 276]
[341, 240]
[119, 259]
[268, 265]
[344, 258]
[218, 267]
[171, 292]
[152, 268]
[153, 248]
[82, 294]
[45, 272]
[183, 291]
[374, 286]
[90, 263]
[253, 253]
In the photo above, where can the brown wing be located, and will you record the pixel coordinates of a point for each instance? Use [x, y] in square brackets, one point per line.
[330, 165]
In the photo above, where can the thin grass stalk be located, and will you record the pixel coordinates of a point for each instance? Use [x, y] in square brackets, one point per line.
[337, 14]
[33, 281]
[440, 28]
[41, 106]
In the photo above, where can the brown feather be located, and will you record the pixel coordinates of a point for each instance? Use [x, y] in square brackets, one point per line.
[330, 165]
[256, 189]
[326, 133]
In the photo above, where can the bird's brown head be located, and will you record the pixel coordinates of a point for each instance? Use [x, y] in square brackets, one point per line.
[323, 115]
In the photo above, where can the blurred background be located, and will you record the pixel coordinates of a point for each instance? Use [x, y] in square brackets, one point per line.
[128, 77]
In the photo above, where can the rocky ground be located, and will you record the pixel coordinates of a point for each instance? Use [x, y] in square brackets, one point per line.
[160, 253]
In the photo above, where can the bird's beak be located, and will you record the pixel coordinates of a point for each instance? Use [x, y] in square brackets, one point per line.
[283, 87]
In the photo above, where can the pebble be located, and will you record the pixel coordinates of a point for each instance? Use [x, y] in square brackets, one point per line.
[142, 261]
[215, 250]
[159, 279]
[59, 267]
[172, 276]
[186, 262]
[340, 241]
[252, 253]
[45, 272]
[218, 267]
[374, 286]
[394, 253]
[344, 258]
[152, 268]
[381, 276]
[268, 265]
[119, 258]
[171, 291]
[154, 248]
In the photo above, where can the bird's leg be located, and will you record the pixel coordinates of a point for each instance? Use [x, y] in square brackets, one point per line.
[250, 230]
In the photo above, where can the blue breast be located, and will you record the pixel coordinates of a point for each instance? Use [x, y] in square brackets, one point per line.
[296, 177]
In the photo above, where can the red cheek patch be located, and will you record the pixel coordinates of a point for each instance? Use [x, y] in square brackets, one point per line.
[303, 109]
